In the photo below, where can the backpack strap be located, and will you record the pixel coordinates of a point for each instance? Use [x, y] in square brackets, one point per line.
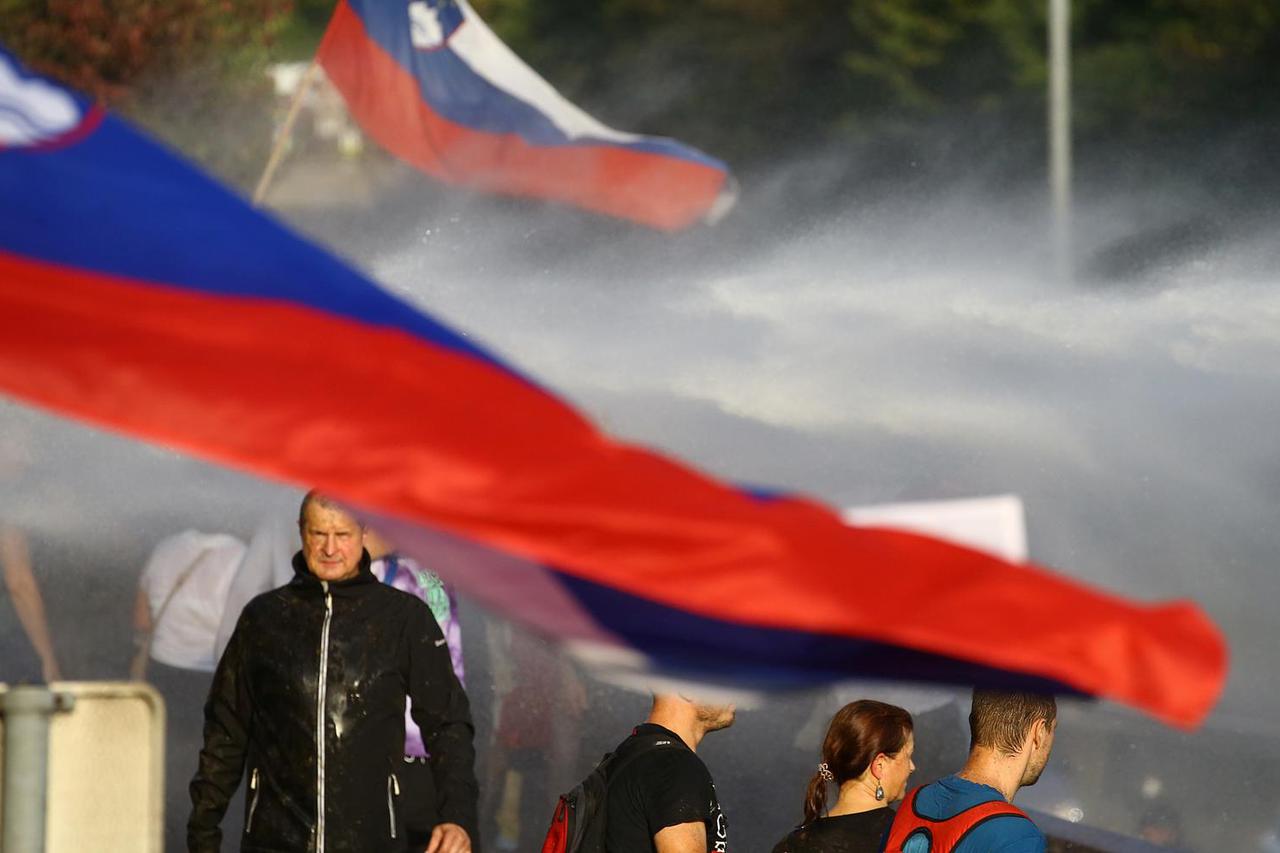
[903, 823]
[959, 826]
[141, 656]
[578, 822]
[946, 834]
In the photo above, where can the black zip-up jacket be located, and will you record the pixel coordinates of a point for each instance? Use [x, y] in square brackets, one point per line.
[348, 653]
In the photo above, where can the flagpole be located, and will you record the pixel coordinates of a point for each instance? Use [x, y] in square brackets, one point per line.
[286, 131]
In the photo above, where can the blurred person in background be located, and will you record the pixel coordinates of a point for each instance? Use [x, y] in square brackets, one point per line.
[867, 756]
[181, 593]
[541, 702]
[1011, 738]
[661, 799]
[27, 647]
[323, 755]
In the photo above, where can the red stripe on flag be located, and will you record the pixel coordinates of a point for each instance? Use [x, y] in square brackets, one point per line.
[660, 191]
[430, 435]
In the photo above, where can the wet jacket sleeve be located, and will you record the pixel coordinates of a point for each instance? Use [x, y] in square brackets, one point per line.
[222, 758]
[442, 712]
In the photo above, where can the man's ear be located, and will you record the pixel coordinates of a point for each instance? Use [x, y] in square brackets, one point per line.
[1039, 732]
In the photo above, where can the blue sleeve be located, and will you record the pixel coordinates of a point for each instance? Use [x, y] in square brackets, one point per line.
[1006, 835]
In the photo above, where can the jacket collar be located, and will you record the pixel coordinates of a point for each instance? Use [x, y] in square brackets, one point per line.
[302, 576]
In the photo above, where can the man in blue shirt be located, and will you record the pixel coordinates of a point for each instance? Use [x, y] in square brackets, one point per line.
[1011, 736]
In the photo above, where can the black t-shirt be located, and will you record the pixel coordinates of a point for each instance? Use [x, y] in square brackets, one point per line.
[665, 786]
[850, 833]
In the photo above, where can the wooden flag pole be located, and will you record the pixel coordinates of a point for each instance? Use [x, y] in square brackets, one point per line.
[286, 131]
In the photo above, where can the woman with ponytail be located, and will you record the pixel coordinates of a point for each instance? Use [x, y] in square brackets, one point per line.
[866, 757]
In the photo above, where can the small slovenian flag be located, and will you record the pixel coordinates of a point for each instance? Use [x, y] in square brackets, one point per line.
[438, 89]
[138, 294]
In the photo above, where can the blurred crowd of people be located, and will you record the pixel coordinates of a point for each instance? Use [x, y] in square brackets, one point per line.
[541, 719]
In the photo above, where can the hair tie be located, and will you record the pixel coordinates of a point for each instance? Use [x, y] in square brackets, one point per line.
[825, 772]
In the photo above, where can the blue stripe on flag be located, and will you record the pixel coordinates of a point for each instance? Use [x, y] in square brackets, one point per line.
[721, 652]
[108, 202]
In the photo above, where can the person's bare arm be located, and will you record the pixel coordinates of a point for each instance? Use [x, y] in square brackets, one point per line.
[141, 633]
[141, 613]
[682, 838]
[21, 582]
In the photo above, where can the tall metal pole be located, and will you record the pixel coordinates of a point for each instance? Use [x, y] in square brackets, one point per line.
[26, 710]
[1060, 133]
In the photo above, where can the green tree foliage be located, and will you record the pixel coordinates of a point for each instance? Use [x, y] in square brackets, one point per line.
[1159, 64]
[930, 55]
[301, 30]
[746, 79]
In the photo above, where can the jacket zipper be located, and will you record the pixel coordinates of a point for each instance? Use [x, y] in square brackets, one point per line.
[393, 785]
[321, 689]
[253, 804]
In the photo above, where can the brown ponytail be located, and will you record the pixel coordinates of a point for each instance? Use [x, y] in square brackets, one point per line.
[815, 798]
[858, 733]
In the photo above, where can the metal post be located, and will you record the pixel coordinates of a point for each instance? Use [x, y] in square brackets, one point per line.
[27, 710]
[1060, 133]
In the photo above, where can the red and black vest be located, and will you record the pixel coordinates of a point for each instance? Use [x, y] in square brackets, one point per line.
[943, 836]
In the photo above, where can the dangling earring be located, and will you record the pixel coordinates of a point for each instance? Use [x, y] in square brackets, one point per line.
[879, 791]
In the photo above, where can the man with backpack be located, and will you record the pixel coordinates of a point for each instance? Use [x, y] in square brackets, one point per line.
[1011, 736]
[652, 794]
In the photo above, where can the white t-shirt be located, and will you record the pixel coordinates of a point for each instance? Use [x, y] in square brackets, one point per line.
[185, 634]
[267, 564]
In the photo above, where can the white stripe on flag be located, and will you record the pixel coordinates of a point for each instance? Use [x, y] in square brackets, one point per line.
[486, 55]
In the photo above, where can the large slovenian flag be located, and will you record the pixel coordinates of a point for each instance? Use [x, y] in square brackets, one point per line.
[438, 89]
[138, 294]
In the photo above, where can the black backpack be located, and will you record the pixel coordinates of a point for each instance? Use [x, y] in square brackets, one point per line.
[578, 825]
